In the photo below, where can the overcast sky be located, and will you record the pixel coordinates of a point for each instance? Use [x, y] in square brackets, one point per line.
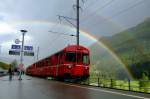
[97, 17]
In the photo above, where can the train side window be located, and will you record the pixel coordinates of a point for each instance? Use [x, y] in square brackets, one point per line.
[42, 63]
[57, 58]
[37, 65]
[48, 62]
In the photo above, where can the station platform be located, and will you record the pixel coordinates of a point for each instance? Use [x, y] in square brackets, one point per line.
[37, 88]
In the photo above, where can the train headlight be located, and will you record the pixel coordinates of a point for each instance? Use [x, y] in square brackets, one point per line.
[69, 66]
[86, 67]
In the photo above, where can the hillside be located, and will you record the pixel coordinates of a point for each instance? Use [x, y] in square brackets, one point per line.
[4, 65]
[132, 46]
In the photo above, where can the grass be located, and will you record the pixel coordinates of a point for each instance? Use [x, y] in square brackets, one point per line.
[138, 86]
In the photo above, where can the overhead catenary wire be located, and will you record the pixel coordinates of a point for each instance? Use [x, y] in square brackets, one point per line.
[127, 9]
[100, 8]
[119, 13]
[59, 35]
[52, 44]
[91, 4]
[62, 33]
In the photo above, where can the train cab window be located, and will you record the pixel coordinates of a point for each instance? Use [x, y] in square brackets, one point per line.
[71, 57]
[85, 58]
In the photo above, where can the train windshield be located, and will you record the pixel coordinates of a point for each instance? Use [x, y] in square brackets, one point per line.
[82, 58]
[85, 58]
[70, 57]
[79, 57]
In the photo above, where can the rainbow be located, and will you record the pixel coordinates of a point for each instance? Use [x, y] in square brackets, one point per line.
[116, 57]
[84, 33]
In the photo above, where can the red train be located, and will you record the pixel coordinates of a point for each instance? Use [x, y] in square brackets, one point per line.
[71, 62]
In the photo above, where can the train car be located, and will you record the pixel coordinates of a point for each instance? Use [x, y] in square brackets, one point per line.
[71, 62]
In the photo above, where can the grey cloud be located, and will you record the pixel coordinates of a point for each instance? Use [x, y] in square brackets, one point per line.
[98, 21]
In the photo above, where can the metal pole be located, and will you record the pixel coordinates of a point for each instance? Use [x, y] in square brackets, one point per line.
[78, 25]
[22, 48]
[111, 83]
[22, 51]
[129, 84]
[38, 53]
[0, 49]
[98, 82]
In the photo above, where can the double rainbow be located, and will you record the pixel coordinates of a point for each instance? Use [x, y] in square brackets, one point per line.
[86, 34]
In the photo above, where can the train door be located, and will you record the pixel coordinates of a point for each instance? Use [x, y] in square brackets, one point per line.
[47, 67]
[56, 64]
[61, 64]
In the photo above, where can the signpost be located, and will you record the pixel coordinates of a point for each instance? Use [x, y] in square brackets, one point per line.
[22, 51]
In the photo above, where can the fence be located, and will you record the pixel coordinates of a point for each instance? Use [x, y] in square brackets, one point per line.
[130, 85]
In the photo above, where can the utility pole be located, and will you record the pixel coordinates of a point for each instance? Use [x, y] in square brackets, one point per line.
[77, 19]
[78, 23]
[77, 26]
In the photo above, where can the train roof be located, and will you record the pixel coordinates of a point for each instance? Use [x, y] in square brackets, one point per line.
[69, 47]
[75, 47]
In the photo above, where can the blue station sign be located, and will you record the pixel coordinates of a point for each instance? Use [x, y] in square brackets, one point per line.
[18, 47]
[30, 48]
[15, 47]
